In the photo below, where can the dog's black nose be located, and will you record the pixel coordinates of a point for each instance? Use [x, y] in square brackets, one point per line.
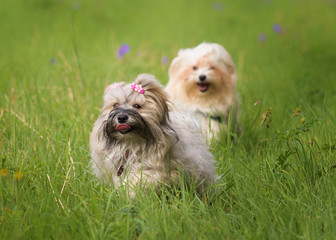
[122, 118]
[202, 77]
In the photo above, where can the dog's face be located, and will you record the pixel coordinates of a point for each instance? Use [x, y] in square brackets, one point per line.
[134, 113]
[206, 71]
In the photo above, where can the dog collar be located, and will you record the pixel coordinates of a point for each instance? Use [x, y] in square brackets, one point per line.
[216, 118]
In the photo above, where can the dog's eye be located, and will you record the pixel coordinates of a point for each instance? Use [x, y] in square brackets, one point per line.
[137, 106]
[116, 105]
[195, 67]
[212, 68]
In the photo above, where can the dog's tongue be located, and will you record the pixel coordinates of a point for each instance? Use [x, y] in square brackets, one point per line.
[122, 127]
[203, 87]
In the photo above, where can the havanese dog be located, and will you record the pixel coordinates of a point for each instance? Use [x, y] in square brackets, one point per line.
[202, 80]
[138, 140]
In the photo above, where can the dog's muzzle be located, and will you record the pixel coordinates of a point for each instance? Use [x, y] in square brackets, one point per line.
[202, 84]
[202, 77]
[123, 127]
[124, 121]
[122, 118]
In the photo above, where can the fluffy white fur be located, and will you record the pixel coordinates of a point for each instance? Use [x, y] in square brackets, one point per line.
[157, 146]
[203, 80]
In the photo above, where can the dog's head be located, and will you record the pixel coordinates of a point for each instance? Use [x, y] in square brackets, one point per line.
[202, 72]
[135, 113]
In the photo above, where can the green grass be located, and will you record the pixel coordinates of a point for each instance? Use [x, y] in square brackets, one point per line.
[278, 181]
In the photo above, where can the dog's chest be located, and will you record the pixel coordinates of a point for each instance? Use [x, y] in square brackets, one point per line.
[125, 160]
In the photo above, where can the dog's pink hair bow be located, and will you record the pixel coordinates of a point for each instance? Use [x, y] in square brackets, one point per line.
[138, 88]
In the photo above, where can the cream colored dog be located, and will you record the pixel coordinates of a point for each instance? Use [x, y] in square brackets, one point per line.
[203, 80]
[138, 140]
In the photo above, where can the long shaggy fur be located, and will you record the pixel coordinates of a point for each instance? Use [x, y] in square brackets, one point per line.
[158, 145]
[203, 80]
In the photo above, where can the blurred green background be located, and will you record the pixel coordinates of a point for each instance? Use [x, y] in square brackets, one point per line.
[42, 39]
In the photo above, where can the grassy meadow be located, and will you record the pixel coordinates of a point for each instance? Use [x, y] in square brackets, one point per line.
[279, 174]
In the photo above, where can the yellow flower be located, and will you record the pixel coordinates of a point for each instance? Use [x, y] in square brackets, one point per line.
[4, 172]
[297, 111]
[18, 175]
[303, 120]
[266, 118]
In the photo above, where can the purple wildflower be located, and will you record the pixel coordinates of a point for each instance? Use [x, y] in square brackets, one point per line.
[53, 61]
[262, 37]
[124, 48]
[276, 28]
[164, 60]
[76, 5]
[218, 6]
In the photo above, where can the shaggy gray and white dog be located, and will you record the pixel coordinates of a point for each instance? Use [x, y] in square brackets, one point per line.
[137, 139]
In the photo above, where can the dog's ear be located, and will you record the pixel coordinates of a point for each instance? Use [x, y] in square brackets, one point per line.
[149, 83]
[228, 74]
[234, 77]
[153, 91]
[111, 89]
[155, 94]
[232, 71]
[178, 62]
[225, 59]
